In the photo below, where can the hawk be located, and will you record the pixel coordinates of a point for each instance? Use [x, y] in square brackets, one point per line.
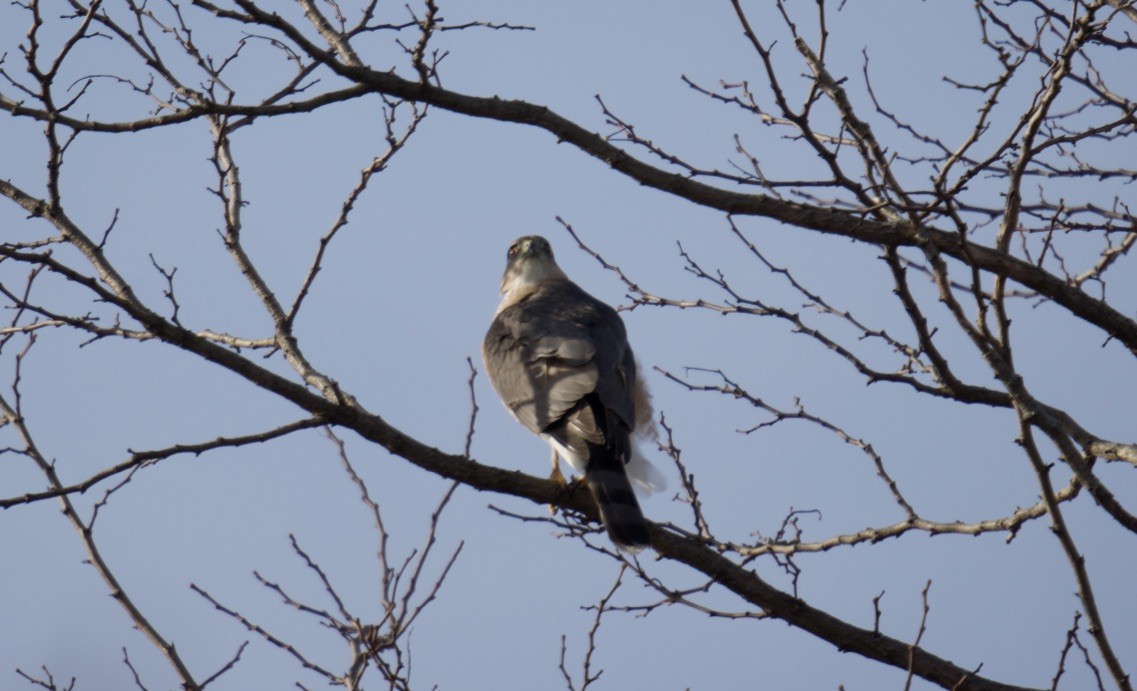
[560, 361]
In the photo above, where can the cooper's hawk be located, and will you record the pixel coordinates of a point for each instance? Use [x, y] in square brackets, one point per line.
[560, 361]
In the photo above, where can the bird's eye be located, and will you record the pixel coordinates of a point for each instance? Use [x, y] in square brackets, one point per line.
[513, 251]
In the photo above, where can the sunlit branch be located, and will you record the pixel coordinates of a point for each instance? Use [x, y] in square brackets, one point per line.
[140, 459]
[1076, 558]
[12, 414]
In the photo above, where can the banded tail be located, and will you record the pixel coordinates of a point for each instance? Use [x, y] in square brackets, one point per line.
[619, 510]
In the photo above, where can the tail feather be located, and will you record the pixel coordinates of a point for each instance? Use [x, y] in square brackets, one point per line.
[619, 510]
[595, 438]
[645, 477]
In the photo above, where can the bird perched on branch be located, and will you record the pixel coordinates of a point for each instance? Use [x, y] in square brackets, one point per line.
[560, 361]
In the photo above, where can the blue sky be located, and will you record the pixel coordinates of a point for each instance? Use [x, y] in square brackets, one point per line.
[406, 294]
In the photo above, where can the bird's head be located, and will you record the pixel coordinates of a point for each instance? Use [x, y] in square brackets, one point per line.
[530, 260]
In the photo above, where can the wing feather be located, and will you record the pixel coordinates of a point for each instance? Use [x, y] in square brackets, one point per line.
[552, 348]
[560, 361]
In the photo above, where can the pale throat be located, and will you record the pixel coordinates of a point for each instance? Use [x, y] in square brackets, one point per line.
[524, 275]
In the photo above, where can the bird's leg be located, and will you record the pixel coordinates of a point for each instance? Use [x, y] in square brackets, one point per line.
[557, 476]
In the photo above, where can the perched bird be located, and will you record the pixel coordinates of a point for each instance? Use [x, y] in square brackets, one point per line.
[560, 361]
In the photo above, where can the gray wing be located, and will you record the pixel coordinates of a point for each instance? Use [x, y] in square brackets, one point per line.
[561, 363]
[553, 347]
